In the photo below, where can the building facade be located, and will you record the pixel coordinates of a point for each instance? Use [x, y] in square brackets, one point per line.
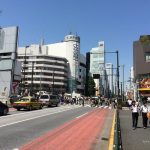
[42, 72]
[109, 72]
[141, 65]
[97, 66]
[10, 68]
[66, 56]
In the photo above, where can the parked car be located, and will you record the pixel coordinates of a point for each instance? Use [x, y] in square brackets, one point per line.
[28, 103]
[54, 100]
[3, 109]
[44, 99]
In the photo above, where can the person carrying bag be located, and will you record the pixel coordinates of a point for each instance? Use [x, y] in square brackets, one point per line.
[145, 114]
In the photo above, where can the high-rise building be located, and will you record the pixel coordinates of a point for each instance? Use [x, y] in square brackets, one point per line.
[97, 66]
[109, 72]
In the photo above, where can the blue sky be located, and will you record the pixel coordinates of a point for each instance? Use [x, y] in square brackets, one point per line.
[117, 22]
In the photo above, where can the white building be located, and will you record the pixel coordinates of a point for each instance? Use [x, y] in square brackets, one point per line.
[97, 64]
[69, 52]
[10, 68]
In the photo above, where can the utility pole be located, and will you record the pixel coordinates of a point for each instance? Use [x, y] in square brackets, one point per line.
[31, 92]
[53, 83]
[24, 66]
[118, 92]
[121, 89]
[123, 82]
[40, 78]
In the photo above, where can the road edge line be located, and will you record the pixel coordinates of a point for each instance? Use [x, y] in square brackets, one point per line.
[111, 138]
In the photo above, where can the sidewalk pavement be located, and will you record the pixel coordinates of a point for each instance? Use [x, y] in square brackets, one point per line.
[133, 139]
[103, 140]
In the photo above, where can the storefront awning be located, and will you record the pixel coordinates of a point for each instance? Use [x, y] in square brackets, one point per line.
[144, 89]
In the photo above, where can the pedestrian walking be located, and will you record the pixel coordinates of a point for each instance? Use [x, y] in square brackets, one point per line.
[129, 103]
[135, 114]
[144, 111]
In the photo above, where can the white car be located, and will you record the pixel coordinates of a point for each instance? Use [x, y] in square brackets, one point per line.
[44, 99]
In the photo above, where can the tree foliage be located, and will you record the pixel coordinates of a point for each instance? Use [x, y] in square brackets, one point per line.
[145, 39]
[91, 87]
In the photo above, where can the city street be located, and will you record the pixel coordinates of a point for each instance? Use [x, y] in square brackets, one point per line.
[54, 125]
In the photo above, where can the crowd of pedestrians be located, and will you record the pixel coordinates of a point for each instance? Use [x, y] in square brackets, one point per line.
[139, 110]
[91, 101]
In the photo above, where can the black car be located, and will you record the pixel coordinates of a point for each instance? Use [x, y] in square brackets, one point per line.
[3, 109]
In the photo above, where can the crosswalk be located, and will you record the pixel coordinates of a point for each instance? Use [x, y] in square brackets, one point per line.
[104, 107]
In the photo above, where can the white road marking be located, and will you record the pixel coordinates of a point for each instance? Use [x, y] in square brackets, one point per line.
[82, 115]
[33, 118]
[35, 111]
[106, 107]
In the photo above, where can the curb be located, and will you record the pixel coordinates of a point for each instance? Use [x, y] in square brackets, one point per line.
[111, 139]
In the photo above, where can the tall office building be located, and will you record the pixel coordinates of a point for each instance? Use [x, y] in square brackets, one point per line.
[109, 72]
[97, 66]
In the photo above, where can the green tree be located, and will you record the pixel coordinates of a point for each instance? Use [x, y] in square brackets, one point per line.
[91, 86]
[145, 39]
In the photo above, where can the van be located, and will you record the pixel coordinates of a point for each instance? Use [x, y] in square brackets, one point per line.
[54, 100]
[44, 99]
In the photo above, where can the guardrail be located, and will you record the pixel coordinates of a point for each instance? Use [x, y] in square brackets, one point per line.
[117, 134]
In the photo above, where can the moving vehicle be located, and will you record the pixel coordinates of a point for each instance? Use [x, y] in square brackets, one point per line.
[3, 109]
[44, 99]
[54, 100]
[28, 103]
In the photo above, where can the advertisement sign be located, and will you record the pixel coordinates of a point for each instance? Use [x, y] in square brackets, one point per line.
[144, 83]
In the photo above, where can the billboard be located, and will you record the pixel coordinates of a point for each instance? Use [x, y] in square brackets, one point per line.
[144, 83]
[8, 39]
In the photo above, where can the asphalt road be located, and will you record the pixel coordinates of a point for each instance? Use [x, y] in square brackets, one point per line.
[19, 128]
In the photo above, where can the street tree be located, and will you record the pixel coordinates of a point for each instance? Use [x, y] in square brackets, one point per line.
[91, 86]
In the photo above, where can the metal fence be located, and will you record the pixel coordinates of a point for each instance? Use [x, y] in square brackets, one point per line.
[117, 136]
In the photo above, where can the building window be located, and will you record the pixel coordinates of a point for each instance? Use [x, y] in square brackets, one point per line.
[147, 56]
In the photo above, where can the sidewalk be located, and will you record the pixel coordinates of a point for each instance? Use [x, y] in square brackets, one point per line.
[133, 139]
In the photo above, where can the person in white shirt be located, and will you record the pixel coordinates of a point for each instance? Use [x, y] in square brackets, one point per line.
[135, 115]
[144, 110]
[129, 103]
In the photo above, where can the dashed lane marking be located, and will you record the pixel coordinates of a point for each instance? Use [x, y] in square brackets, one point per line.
[82, 115]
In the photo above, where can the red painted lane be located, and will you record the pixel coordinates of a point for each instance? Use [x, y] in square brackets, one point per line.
[12, 109]
[79, 134]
